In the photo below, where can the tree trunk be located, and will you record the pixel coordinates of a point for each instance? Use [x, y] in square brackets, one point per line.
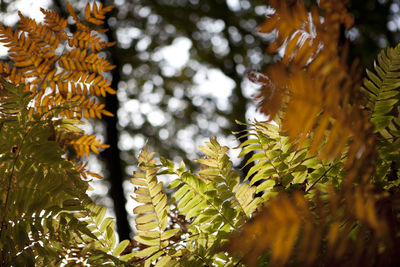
[111, 156]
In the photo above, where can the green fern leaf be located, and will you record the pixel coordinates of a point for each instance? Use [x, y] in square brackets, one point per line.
[152, 213]
[382, 89]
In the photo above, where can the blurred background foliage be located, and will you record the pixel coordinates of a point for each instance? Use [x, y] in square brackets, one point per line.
[181, 76]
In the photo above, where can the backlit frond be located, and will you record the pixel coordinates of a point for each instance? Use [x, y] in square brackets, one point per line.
[152, 214]
[87, 143]
[313, 85]
[217, 171]
[94, 14]
[47, 219]
[213, 201]
[55, 23]
[278, 165]
[55, 74]
[87, 40]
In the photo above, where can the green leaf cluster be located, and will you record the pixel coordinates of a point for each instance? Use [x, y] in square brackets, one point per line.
[278, 165]
[213, 203]
[47, 217]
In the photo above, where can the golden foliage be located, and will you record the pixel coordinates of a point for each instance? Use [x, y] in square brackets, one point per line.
[278, 230]
[295, 229]
[49, 83]
[60, 69]
[313, 82]
[93, 14]
[314, 95]
[85, 143]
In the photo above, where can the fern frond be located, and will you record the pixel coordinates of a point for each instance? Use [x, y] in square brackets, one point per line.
[92, 109]
[312, 86]
[11, 74]
[79, 60]
[382, 90]
[72, 231]
[212, 201]
[40, 195]
[81, 168]
[217, 170]
[23, 51]
[293, 234]
[35, 178]
[281, 233]
[55, 23]
[86, 40]
[85, 143]
[94, 14]
[79, 24]
[152, 214]
[47, 217]
[99, 12]
[278, 165]
[59, 77]
[42, 36]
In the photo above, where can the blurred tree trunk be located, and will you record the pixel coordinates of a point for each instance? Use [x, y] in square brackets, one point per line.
[111, 156]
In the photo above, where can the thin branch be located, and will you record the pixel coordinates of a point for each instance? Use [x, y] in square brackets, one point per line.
[319, 178]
